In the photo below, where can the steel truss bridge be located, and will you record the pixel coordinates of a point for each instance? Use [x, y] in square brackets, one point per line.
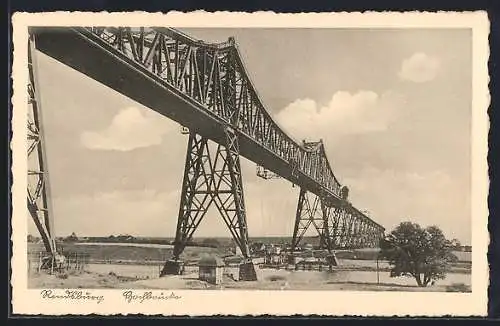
[204, 87]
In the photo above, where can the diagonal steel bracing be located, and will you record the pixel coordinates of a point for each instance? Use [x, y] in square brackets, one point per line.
[213, 78]
[213, 178]
[205, 87]
[338, 227]
[195, 196]
[38, 197]
[311, 212]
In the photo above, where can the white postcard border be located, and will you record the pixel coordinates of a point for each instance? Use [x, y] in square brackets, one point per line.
[254, 302]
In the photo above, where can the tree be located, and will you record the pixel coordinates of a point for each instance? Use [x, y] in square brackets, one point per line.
[455, 243]
[412, 251]
[71, 238]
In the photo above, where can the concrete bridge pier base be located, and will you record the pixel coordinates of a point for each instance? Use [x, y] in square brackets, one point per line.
[247, 272]
[332, 260]
[173, 267]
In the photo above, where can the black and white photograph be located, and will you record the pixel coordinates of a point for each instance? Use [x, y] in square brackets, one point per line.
[260, 158]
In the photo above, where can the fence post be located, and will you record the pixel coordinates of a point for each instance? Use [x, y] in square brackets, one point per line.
[52, 265]
[39, 262]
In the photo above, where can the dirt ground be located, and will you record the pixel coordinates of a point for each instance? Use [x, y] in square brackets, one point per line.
[353, 274]
[275, 280]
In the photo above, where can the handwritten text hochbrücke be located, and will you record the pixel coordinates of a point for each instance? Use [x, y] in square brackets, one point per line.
[131, 296]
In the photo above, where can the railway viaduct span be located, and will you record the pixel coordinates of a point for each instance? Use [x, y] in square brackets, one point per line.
[206, 88]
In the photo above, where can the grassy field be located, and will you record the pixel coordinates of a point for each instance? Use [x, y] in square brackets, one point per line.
[130, 253]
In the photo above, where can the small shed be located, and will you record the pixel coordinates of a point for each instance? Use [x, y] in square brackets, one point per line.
[211, 269]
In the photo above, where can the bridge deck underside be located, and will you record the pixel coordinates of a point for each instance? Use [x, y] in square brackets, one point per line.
[70, 48]
[130, 79]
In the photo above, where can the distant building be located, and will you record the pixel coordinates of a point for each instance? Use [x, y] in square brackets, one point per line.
[211, 269]
[258, 249]
[124, 238]
[273, 255]
[272, 249]
[307, 263]
[274, 259]
[71, 238]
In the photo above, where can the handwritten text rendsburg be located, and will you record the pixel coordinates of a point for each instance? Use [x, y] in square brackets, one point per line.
[71, 295]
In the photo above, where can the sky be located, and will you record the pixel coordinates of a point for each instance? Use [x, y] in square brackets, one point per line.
[393, 108]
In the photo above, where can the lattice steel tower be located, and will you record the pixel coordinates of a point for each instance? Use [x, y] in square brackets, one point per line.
[38, 197]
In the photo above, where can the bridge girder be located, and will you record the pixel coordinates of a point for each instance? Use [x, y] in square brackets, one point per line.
[338, 227]
[196, 73]
[206, 88]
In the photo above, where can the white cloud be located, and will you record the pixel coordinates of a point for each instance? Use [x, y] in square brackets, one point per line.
[345, 113]
[131, 128]
[419, 68]
[430, 198]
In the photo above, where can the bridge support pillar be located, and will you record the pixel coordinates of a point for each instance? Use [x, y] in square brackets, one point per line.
[331, 260]
[313, 212]
[173, 267]
[309, 212]
[247, 271]
[38, 181]
[212, 178]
